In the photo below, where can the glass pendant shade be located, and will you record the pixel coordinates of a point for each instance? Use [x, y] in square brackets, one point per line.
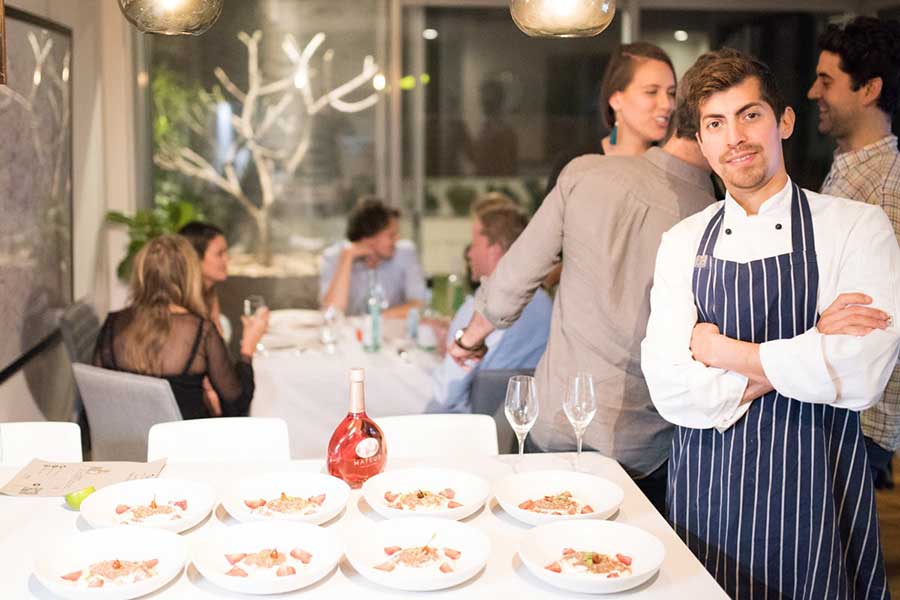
[562, 18]
[172, 17]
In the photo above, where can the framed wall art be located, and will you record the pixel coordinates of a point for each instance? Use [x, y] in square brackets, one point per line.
[35, 185]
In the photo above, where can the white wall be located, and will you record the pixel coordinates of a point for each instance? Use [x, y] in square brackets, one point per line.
[103, 175]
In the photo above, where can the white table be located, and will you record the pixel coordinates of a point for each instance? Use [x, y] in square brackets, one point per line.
[311, 391]
[30, 525]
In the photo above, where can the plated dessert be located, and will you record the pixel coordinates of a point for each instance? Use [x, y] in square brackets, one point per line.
[267, 562]
[285, 504]
[557, 504]
[420, 557]
[112, 572]
[425, 492]
[593, 563]
[287, 496]
[422, 500]
[152, 511]
[266, 557]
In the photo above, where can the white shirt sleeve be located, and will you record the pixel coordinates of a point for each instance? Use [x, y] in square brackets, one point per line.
[843, 370]
[684, 391]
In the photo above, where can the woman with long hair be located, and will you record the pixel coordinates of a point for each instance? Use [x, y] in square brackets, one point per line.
[166, 332]
[212, 249]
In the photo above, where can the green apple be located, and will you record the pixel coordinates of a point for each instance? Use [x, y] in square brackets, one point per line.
[75, 498]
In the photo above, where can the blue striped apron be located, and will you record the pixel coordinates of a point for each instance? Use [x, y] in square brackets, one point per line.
[781, 504]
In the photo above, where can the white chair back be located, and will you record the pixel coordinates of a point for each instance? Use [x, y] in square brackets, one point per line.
[439, 435]
[229, 438]
[121, 408]
[48, 440]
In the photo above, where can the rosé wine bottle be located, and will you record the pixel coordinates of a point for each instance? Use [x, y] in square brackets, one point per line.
[357, 450]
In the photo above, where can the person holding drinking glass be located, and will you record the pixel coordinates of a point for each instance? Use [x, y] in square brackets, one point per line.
[606, 215]
[165, 332]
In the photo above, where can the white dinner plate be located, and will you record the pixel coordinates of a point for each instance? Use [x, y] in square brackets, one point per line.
[114, 505]
[602, 495]
[544, 545]
[469, 491]
[210, 556]
[367, 549]
[286, 319]
[77, 552]
[272, 485]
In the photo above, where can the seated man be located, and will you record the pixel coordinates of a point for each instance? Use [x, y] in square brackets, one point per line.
[372, 244]
[494, 229]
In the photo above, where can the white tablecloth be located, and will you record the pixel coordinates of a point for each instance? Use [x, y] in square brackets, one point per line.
[311, 391]
[30, 525]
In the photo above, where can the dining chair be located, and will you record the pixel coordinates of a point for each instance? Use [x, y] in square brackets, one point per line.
[228, 438]
[54, 441]
[488, 395]
[439, 435]
[122, 407]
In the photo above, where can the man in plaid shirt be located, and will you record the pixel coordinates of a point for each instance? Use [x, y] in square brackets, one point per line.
[857, 86]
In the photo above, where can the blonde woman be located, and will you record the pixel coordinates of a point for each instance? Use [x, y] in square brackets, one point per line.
[166, 332]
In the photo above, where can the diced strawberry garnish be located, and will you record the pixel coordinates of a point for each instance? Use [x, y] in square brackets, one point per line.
[301, 555]
[554, 566]
[624, 559]
[73, 576]
[448, 493]
[95, 583]
[451, 553]
[387, 567]
[151, 563]
[527, 505]
[453, 504]
[445, 568]
[182, 504]
[568, 551]
[237, 572]
[571, 511]
[389, 550]
[286, 570]
[586, 509]
[255, 503]
[122, 508]
[612, 575]
[318, 499]
[234, 558]
[390, 497]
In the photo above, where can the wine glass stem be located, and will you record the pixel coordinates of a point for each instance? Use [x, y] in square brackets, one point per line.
[578, 437]
[521, 444]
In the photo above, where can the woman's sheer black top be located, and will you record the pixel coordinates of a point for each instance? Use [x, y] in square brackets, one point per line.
[193, 350]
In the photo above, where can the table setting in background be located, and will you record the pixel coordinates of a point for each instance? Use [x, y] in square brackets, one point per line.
[301, 365]
[527, 525]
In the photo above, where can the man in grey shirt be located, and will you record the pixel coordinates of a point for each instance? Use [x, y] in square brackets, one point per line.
[372, 246]
[607, 216]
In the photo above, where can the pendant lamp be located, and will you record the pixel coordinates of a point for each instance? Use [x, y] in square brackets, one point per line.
[172, 17]
[562, 18]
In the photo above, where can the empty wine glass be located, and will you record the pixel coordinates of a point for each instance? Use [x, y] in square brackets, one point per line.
[521, 406]
[580, 406]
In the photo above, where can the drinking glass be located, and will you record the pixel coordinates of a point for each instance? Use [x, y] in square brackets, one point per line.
[580, 405]
[521, 406]
[328, 334]
[253, 303]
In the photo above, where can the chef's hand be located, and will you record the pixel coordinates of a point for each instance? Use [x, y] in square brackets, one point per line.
[703, 340]
[848, 316]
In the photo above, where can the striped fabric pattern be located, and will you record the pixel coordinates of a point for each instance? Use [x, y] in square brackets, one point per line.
[872, 175]
[781, 504]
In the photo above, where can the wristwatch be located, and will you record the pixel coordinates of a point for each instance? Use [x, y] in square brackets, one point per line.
[457, 339]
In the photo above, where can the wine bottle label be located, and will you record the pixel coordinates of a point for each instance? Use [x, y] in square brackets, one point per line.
[367, 448]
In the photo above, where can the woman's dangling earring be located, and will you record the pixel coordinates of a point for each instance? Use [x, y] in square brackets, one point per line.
[614, 134]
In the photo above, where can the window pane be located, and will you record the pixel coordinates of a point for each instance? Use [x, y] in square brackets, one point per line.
[784, 41]
[270, 157]
[487, 108]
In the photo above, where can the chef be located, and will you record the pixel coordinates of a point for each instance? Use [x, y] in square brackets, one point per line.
[770, 329]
